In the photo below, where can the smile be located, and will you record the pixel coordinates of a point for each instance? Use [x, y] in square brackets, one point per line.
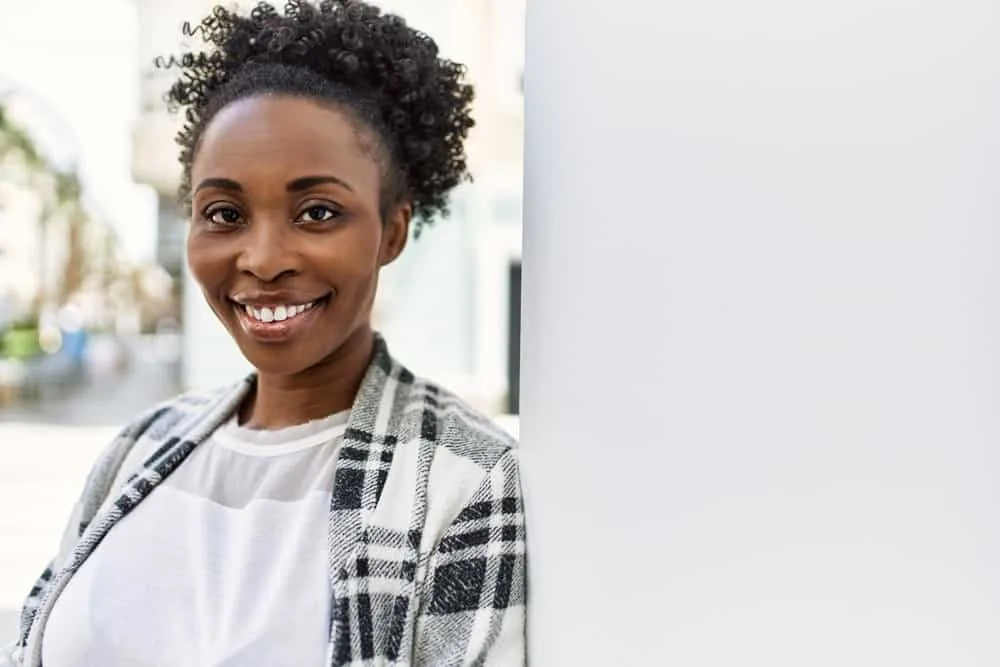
[277, 323]
[279, 313]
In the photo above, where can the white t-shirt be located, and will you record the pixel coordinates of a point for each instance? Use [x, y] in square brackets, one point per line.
[224, 564]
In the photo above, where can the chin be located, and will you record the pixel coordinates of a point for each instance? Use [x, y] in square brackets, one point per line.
[285, 359]
[301, 348]
[277, 362]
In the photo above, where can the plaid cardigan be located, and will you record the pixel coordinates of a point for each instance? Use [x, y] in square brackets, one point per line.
[426, 526]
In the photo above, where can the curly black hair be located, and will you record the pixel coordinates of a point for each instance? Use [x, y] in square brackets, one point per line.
[387, 76]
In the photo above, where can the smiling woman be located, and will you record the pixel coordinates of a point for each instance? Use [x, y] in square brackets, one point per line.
[332, 508]
[286, 212]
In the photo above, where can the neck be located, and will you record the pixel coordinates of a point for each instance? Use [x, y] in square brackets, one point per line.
[322, 390]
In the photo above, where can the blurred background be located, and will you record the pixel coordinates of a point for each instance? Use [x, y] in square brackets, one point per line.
[98, 316]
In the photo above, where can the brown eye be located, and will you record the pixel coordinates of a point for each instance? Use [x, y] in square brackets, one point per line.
[318, 213]
[223, 215]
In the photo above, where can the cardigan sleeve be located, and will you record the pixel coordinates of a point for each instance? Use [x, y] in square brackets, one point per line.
[474, 601]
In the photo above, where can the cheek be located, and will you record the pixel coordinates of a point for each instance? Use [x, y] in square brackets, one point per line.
[356, 262]
[205, 260]
[356, 279]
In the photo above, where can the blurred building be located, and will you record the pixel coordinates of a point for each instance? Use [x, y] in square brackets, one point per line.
[76, 228]
[446, 306]
[52, 248]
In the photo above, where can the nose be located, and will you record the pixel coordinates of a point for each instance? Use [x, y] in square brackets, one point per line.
[267, 252]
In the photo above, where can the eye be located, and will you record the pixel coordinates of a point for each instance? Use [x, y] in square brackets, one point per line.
[318, 213]
[226, 216]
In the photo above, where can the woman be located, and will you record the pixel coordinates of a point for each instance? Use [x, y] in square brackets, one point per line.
[331, 509]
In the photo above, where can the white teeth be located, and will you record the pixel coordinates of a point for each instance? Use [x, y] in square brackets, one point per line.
[277, 314]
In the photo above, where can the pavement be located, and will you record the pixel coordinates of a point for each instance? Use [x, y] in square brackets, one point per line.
[46, 450]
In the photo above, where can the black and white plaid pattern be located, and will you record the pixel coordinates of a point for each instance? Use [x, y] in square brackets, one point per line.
[426, 525]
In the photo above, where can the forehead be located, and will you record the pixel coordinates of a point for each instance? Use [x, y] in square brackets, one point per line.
[282, 137]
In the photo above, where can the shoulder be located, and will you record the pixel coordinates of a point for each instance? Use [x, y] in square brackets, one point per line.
[170, 421]
[456, 427]
[469, 460]
[170, 417]
[413, 408]
[140, 439]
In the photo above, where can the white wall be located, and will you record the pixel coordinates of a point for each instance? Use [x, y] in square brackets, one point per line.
[760, 362]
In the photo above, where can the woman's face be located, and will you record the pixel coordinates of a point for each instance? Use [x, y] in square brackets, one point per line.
[286, 239]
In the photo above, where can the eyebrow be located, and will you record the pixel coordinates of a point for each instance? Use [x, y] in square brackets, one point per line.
[299, 184]
[307, 182]
[221, 183]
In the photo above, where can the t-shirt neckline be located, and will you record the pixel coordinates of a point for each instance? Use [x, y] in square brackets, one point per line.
[276, 442]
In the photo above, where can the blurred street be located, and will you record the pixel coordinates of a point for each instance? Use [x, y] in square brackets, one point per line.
[147, 380]
[47, 448]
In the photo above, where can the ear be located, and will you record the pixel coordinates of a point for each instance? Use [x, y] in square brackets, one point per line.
[395, 233]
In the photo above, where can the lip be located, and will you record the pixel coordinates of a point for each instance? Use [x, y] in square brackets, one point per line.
[262, 299]
[277, 332]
